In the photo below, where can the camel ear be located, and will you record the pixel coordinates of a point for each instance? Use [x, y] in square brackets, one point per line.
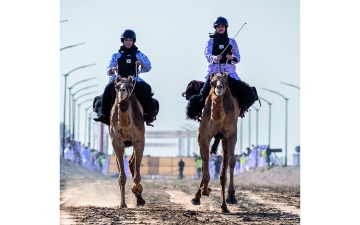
[212, 75]
[117, 79]
[131, 79]
[226, 75]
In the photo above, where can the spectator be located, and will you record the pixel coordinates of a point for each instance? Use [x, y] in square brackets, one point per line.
[126, 166]
[243, 163]
[237, 165]
[100, 160]
[198, 167]
[212, 166]
[69, 153]
[218, 162]
[181, 169]
[85, 156]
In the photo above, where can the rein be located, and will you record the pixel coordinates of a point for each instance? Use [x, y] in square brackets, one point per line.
[224, 66]
[135, 80]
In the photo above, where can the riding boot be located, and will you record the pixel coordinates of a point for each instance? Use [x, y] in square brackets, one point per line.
[197, 102]
[143, 93]
[106, 104]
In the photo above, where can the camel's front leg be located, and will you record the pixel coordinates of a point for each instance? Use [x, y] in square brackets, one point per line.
[119, 151]
[205, 173]
[231, 199]
[137, 188]
[204, 153]
[223, 178]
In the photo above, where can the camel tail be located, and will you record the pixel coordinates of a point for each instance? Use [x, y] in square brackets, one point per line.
[214, 146]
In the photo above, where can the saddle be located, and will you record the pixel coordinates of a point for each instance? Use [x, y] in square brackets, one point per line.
[249, 94]
[154, 109]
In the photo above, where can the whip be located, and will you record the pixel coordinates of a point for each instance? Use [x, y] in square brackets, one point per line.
[233, 38]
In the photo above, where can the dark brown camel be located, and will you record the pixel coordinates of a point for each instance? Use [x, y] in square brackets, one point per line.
[127, 129]
[219, 121]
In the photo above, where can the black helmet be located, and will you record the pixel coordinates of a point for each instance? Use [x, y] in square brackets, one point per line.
[220, 20]
[128, 34]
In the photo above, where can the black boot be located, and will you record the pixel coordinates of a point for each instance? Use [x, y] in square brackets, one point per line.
[106, 101]
[197, 102]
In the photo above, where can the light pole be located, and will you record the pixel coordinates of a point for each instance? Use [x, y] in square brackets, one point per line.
[257, 124]
[78, 119]
[86, 109]
[269, 103]
[70, 88]
[290, 85]
[70, 46]
[240, 134]
[73, 109]
[66, 75]
[195, 144]
[71, 97]
[286, 119]
[250, 128]
[90, 128]
[188, 140]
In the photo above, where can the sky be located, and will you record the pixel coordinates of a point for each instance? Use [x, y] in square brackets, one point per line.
[31, 85]
[173, 35]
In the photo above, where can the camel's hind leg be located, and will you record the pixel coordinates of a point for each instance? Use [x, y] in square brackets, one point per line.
[119, 151]
[137, 188]
[231, 199]
[205, 178]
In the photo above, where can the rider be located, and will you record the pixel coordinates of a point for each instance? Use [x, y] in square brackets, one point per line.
[125, 63]
[222, 54]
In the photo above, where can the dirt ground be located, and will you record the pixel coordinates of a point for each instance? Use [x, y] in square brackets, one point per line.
[264, 197]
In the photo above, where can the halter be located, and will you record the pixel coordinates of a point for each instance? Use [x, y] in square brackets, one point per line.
[135, 80]
[224, 66]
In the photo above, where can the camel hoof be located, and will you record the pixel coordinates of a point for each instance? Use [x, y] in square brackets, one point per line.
[231, 199]
[195, 201]
[123, 206]
[207, 192]
[140, 202]
[224, 210]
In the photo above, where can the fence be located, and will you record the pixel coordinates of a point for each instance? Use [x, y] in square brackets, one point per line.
[167, 166]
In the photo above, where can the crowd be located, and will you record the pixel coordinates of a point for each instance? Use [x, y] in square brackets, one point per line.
[80, 154]
[256, 156]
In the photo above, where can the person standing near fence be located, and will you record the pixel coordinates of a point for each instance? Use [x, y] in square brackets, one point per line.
[181, 168]
[218, 162]
[198, 167]
[243, 162]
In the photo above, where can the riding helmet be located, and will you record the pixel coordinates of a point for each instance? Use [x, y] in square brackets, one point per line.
[220, 21]
[128, 34]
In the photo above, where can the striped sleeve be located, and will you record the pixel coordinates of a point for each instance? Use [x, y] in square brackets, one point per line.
[235, 50]
[144, 59]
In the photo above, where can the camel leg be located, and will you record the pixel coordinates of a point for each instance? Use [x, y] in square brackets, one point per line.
[119, 151]
[204, 153]
[137, 188]
[131, 164]
[231, 199]
[223, 177]
[205, 173]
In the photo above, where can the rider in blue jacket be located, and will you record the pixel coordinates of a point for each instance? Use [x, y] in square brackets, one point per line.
[125, 63]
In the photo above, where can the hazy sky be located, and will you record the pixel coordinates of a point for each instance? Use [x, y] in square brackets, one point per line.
[173, 35]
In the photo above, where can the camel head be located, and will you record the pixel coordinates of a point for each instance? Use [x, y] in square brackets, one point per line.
[219, 82]
[124, 87]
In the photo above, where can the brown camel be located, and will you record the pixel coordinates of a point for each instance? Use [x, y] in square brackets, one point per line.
[219, 121]
[127, 129]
